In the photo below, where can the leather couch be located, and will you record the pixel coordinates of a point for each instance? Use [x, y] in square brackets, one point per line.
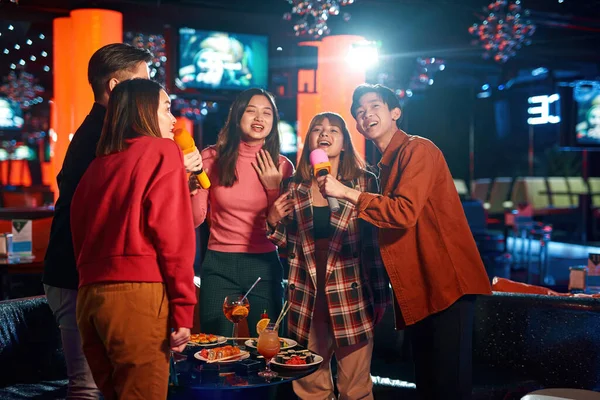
[31, 360]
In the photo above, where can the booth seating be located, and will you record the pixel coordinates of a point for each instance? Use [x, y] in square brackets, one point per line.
[461, 188]
[547, 195]
[562, 394]
[570, 204]
[32, 364]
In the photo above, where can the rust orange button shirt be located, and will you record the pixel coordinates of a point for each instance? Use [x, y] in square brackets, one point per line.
[425, 241]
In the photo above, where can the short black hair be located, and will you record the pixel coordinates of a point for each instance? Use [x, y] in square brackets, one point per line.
[386, 94]
[111, 60]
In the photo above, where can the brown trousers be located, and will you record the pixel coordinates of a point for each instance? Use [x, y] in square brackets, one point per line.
[353, 362]
[124, 332]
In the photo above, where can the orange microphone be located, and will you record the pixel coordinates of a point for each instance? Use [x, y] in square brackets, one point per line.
[186, 143]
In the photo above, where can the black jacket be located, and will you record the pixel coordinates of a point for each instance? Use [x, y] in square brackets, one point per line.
[59, 265]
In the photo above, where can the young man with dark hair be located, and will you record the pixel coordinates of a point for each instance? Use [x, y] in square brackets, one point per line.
[426, 245]
[107, 67]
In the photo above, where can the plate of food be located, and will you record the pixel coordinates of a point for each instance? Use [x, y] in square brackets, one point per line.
[285, 343]
[300, 359]
[206, 339]
[222, 355]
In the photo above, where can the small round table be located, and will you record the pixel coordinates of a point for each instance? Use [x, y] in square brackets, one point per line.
[199, 380]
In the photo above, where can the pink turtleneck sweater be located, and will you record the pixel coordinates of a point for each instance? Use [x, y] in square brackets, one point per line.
[238, 213]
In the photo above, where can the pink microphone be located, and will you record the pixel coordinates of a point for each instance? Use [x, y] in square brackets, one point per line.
[321, 167]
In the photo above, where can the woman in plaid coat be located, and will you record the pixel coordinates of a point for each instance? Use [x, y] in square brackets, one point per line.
[337, 284]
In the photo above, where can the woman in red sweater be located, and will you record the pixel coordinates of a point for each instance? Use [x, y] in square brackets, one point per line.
[134, 244]
[246, 171]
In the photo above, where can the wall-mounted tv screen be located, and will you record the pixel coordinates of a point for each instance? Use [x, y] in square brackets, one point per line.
[287, 137]
[221, 60]
[11, 117]
[581, 108]
[587, 128]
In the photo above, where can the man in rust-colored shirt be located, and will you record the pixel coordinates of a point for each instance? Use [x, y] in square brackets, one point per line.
[426, 245]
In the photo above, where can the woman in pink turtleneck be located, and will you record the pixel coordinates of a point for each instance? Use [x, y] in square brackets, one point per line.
[245, 170]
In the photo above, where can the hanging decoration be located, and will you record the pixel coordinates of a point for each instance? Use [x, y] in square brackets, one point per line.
[156, 45]
[503, 30]
[425, 72]
[422, 77]
[313, 15]
[193, 109]
[22, 88]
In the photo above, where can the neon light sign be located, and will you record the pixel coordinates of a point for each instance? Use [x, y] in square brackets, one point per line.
[541, 112]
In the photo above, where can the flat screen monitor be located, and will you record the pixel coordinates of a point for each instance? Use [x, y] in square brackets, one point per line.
[580, 127]
[221, 60]
[287, 138]
[587, 122]
[11, 116]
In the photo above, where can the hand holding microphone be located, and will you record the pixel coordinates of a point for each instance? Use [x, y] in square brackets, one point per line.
[322, 168]
[192, 157]
[192, 161]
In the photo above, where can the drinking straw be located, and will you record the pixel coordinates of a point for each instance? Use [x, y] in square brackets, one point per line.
[249, 290]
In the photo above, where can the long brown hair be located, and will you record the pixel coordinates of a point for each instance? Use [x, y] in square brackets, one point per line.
[132, 111]
[351, 163]
[230, 136]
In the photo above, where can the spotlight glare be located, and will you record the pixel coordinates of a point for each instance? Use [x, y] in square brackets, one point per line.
[363, 55]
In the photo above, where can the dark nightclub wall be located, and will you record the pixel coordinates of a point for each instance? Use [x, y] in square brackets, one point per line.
[443, 116]
[501, 133]
[443, 112]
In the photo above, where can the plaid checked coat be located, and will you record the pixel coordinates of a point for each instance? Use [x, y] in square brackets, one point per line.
[356, 280]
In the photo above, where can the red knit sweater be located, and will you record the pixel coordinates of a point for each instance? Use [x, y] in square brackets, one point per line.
[131, 221]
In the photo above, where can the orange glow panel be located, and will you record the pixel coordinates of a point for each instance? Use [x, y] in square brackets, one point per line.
[61, 108]
[309, 104]
[92, 29]
[15, 172]
[306, 80]
[336, 81]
